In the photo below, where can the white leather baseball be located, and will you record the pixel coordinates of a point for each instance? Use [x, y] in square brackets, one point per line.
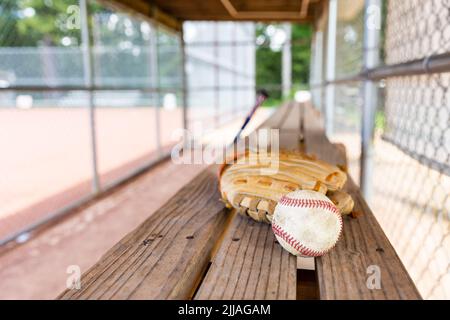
[306, 223]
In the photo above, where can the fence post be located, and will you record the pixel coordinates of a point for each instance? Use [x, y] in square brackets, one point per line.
[331, 67]
[286, 65]
[184, 79]
[372, 26]
[216, 76]
[234, 48]
[89, 82]
[154, 75]
[316, 74]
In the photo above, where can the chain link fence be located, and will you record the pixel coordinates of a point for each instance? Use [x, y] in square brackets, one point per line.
[220, 71]
[411, 176]
[90, 97]
[412, 167]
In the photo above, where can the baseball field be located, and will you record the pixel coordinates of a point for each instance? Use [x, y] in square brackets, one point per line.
[46, 159]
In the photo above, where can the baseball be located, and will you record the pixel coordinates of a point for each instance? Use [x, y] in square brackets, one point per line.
[306, 223]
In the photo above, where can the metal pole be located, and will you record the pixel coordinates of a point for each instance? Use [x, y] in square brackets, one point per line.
[154, 76]
[234, 49]
[316, 70]
[88, 78]
[371, 60]
[286, 66]
[184, 79]
[331, 67]
[216, 77]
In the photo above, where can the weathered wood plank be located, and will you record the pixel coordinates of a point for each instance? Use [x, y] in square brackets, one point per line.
[254, 10]
[168, 254]
[249, 263]
[343, 272]
[165, 256]
[278, 117]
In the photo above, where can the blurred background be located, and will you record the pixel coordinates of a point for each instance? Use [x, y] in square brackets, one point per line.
[91, 95]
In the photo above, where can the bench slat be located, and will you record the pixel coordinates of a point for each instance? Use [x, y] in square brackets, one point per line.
[279, 117]
[250, 265]
[343, 272]
[167, 254]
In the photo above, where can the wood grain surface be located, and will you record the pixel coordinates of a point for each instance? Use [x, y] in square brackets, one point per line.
[250, 265]
[167, 254]
[194, 247]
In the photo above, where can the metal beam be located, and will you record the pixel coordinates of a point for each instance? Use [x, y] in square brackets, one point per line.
[216, 75]
[154, 76]
[86, 88]
[184, 80]
[433, 64]
[235, 100]
[286, 63]
[330, 67]
[89, 81]
[316, 71]
[372, 11]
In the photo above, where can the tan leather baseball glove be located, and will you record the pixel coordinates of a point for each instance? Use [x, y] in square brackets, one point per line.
[255, 182]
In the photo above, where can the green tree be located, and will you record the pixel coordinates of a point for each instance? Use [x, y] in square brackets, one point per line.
[34, 22]
[268, 63]
[268, 59]
[301, 54]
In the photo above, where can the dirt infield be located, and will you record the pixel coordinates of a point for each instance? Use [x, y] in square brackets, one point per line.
[46, 161]
[37, 269]
[46, 155]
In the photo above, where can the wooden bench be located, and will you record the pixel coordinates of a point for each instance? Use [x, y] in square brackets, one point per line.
[194, 248]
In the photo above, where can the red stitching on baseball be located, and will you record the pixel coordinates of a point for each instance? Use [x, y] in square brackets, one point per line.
[296, 244]
[309, 203]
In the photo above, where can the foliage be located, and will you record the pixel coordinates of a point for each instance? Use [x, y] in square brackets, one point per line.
[31, 22]
[380, 120]
[301, 54]
[268, 60]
